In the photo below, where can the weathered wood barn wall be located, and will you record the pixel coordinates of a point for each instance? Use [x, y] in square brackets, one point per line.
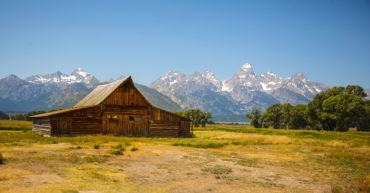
[117, 108]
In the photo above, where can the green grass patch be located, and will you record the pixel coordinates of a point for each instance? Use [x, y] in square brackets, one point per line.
[218, 170]
[201, 144]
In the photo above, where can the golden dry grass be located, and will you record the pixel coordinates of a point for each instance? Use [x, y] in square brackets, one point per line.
[219, 159]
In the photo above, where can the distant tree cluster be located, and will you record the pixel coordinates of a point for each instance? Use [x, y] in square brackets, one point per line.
[21, 116]
[336, 109]
[197, 116]
[3, 116]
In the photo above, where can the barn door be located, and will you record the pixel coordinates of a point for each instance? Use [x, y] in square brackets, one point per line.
[63, 126]
[139, 125]
[113, 125]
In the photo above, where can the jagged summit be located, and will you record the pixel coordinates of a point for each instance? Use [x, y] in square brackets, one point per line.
[79, 71]
[246, 66]
[269, 73]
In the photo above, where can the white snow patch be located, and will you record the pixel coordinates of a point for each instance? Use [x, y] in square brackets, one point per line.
[226, 88]
[83, 74]
[247, 83]
[271, 74]
[265, 86]
[173, 82]
[242, 76]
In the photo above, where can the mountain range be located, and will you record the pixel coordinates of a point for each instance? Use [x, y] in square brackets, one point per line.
[242, 92]
[58, 91]
[228, 100]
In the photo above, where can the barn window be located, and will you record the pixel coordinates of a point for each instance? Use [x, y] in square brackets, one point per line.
[131, 118]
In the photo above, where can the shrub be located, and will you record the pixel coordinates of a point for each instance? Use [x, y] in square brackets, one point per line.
[79, 147]
[1, 159]
[96, 146]
[116, 152]
[117, 149]
[134, 148]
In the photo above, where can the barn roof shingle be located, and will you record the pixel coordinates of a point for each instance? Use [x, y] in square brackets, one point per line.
[60, 111]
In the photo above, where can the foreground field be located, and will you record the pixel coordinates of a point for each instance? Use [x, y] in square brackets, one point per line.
[218, 159]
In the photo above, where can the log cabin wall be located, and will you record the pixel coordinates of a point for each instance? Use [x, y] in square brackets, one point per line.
[185, 128]
[166, 124]
[74, 123]
[42, 125]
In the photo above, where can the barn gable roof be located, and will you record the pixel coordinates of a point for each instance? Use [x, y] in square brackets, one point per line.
[100, 93]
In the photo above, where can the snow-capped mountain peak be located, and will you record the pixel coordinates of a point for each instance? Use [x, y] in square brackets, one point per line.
[269, 74]
[77, 76]
[80, 72]
[246, 66]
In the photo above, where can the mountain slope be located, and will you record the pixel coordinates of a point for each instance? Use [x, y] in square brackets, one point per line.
[157, 99]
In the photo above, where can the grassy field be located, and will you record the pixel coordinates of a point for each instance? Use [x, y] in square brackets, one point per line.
[219, 158]
[15, 125]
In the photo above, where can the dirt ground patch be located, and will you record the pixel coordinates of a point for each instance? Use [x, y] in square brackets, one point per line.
[37, 180]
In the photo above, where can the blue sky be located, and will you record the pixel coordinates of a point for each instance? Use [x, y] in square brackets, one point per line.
[327, 40]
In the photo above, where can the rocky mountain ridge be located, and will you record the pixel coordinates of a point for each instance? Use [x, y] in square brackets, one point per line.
[242, 92]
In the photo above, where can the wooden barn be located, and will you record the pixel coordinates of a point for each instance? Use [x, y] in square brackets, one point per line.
[117, 108]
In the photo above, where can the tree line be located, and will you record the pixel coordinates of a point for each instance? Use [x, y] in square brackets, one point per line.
[22, 116]
[336, 109]
[197, 116]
